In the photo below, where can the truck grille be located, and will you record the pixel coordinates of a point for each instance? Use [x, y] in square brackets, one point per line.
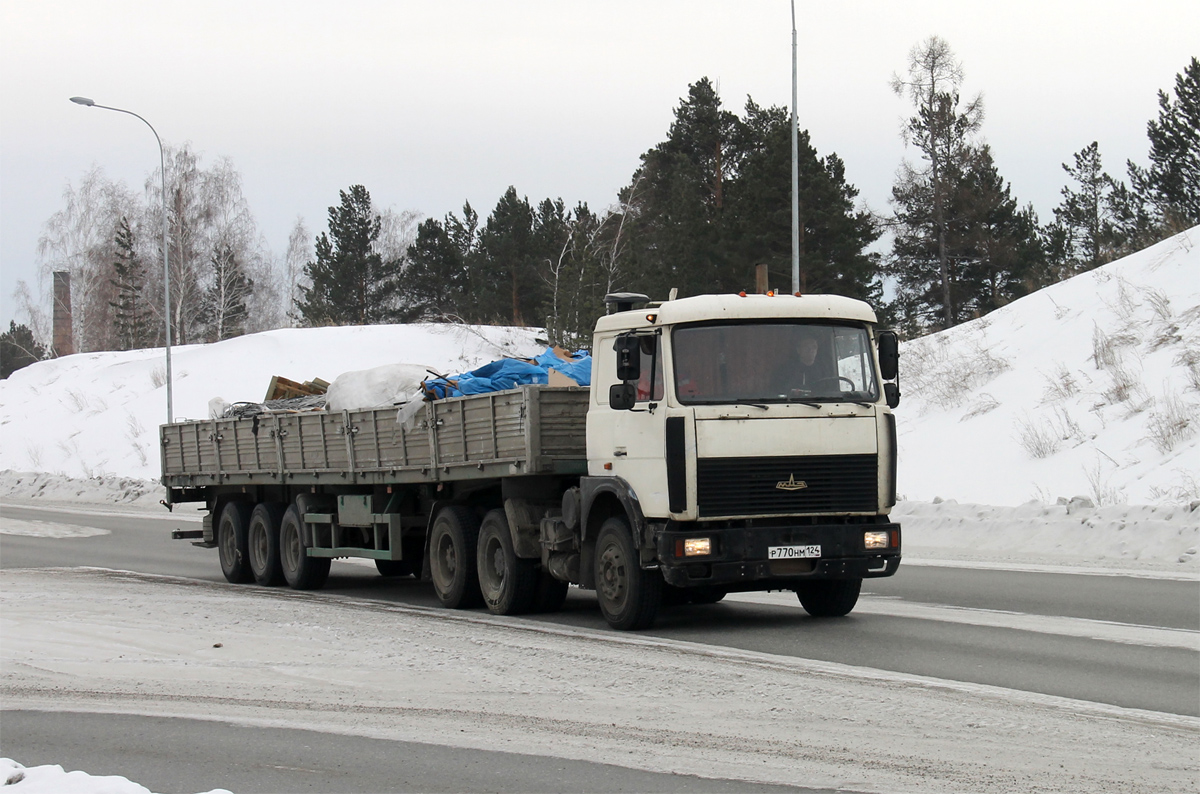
[811, 484]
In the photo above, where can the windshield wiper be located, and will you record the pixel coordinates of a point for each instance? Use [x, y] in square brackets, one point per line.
[752, 404]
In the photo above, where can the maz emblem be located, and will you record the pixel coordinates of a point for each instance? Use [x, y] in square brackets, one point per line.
[791, 484]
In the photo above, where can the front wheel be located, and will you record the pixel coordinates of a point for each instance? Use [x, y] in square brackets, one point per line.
[830, 598]
[301, 571]
[508, 583]
[629, 597]
[452, 543]
[263, 542]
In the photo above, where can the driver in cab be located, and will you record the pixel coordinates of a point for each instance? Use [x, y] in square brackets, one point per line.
[806, 370]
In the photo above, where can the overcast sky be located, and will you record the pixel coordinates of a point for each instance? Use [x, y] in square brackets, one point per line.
[432, 104]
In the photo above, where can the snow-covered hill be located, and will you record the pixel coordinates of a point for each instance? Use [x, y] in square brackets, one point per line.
[1088, 387]
[97, 414]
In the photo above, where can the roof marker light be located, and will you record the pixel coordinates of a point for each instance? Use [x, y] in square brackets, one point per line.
[742, 293]
[770, 293]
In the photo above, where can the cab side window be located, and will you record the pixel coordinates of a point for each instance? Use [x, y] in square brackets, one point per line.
[652, 369]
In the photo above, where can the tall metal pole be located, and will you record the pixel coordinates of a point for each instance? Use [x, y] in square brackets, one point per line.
[795, 169]
[162, 162]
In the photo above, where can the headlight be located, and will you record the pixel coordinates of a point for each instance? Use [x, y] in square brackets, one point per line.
[875, 540]
[697, 547]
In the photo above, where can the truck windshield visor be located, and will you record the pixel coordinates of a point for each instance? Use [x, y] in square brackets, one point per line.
[773, 362]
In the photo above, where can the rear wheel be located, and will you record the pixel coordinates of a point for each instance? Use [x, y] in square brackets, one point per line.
[452, 549]
[830, 598]
[231, 543]
[629, 597]
[508, 583]
[263, 543]
[299, 570]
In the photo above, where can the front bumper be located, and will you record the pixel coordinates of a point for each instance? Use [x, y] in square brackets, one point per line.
[739, 561]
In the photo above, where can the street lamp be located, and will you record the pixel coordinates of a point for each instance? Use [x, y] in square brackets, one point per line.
[795, 170]
[82, 100]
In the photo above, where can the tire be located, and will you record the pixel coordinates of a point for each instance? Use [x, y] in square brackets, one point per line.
[392, 568]
[629, 597]
[231, 543]
[551, 593]
[830, 598]
[300, 571]
[509, 584]
[263, 544]
[452, 550]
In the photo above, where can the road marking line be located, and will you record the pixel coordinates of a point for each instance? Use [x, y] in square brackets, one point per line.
[1086, 628]
[1034, 567]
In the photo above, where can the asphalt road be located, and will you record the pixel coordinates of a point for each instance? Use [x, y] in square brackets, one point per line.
[957, 644]
[1070, 635]
[169, 755]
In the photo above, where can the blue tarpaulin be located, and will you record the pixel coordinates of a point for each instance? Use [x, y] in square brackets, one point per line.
[508, 373]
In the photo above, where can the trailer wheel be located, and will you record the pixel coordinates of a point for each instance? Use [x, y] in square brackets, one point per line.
[231, 543]
[629, 597]
[551, 593]
[301, 571]
[830, 598]
[452, 545]
[263, 542]
[508, 583]
[392, 568]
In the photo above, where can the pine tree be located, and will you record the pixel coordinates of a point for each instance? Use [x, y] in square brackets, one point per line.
[18, 349]
[1001, 252]
[349, 283]
[1173, 179]
[132, 318]
[437, 279]
[504, 278]
[926, 198]
[833, 235]
[1085, 214]
[678, 216]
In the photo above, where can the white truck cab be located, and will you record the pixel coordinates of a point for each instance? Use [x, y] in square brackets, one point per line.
[749, 442]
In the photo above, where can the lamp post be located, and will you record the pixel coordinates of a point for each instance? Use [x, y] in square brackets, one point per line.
[795, 170]
[81, 100]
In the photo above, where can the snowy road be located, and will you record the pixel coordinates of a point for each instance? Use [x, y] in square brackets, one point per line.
[1052, 676]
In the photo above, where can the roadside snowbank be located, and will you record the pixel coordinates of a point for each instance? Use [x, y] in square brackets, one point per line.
[83, 640]
[53, 779]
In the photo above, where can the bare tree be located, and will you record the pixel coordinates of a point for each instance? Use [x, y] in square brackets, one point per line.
[299, 252]
[81, 239]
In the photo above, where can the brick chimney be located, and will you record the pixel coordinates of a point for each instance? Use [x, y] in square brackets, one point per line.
[64, 340]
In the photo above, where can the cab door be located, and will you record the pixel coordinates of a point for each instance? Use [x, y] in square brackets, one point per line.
[631, 442]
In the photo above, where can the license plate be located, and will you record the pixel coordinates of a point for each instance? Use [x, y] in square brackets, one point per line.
[793, 552]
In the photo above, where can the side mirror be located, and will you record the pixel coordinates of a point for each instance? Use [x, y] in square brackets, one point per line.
[622, 396]
[891, 393]
[629, 357]
[889, 355]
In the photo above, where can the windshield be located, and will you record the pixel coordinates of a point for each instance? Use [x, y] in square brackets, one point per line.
[773, 362]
